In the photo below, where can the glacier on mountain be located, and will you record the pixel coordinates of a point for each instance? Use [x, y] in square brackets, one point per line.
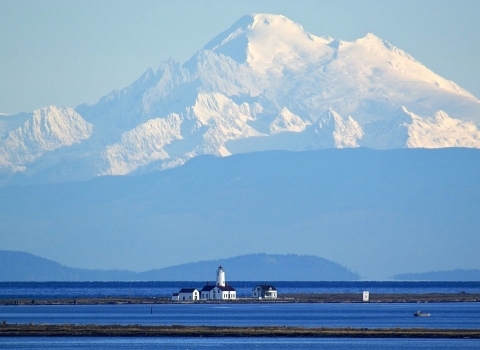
[142, 145]
[440, 131]
[263, 84]
[47, 129]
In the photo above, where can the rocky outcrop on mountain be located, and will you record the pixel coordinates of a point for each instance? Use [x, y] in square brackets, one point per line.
[46, 130]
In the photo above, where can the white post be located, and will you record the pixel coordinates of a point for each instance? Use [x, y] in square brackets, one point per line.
[366, 296]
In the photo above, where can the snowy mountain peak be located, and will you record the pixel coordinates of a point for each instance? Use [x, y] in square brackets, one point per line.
[252, 23]
[262, 39]
[287, 121]
[263, 84]
[45, 130]
[370, 38]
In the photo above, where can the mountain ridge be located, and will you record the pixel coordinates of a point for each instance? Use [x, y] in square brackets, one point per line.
[24, 267]
[264, 83]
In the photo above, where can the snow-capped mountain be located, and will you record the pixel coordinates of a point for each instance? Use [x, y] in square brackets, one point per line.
[263, 84]
[43, 131]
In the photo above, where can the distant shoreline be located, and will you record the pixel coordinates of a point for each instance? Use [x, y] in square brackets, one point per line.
[285, 298]
[43, 330]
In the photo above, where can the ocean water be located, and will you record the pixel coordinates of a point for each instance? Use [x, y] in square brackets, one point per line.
[362, 315]
[53, 290]
[358, 315]
[234, 343]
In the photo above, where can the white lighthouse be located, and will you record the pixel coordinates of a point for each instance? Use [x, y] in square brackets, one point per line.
[219, 291]
[220, 276]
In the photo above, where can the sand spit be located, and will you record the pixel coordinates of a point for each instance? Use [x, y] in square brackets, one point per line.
[28, 330]
[285, 298]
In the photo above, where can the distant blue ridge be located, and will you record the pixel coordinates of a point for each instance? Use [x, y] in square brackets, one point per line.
[20, 266]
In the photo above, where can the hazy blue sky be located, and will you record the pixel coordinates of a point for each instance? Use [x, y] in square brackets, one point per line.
[69, 52]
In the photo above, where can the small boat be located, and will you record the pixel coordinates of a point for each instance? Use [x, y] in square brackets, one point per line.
[420, 314]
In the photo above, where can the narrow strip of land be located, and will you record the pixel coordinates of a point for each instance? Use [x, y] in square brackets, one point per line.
[285, 298]
[385, 298]
[17, 330]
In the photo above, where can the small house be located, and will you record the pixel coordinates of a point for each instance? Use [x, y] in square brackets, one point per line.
[266, 291]
[188, 294]
[210, 292]
[175, 297]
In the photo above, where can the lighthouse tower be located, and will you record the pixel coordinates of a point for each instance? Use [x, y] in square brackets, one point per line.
[220, 276]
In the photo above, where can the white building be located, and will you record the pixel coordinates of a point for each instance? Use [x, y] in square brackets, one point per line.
[175, 297]
[220, 291]
[188, 294]
[212, 292]
[266, 291]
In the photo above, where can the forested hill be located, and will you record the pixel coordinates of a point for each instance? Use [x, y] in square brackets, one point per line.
[20, 266]
[258, 267]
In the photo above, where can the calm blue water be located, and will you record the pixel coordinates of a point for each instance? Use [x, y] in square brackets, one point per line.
[52, 290]
[234, 343]
[374, 315]
[358, 315]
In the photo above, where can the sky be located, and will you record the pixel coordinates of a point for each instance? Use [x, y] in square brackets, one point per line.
[65, 52]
